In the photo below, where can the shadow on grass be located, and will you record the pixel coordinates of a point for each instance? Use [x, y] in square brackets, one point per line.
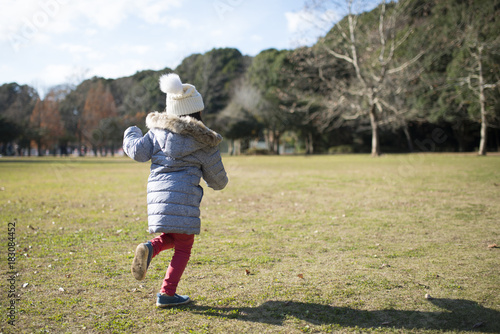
[455, 314]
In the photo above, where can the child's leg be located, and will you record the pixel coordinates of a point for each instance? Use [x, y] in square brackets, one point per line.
[146, 251]
[161, 243]
[182, 251]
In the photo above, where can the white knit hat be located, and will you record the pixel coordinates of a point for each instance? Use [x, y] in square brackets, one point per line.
[182, 99]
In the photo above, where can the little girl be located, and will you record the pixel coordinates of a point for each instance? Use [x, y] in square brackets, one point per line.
[182, 150]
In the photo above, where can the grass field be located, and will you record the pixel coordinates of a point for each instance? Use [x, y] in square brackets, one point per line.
[321, 244]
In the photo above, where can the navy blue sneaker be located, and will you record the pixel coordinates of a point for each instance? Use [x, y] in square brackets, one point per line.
[167, 301]
[142, 258]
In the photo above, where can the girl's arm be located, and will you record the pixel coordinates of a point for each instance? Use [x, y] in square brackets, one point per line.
[136, 146]
[213, 170]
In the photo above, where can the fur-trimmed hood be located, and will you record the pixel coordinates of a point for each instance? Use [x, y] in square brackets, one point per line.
[184, 126]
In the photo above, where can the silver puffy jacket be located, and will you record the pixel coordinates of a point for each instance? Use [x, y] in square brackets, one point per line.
[182, 150]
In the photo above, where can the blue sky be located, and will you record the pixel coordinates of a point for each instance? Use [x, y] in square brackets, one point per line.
[50, 42]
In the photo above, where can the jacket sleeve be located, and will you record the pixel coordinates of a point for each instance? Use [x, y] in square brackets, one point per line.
[136, 146]
[213, 170]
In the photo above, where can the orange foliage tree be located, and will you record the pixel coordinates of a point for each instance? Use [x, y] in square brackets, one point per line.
[98, 120]
[46, 123]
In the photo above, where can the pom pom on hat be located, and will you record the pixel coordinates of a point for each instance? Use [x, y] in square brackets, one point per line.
[182, 99]
[171, 84]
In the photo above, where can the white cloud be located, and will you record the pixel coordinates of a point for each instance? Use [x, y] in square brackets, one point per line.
[119, 37]
[307, 26]
[91, 32]
[111, 13]
[218, 33]
[154, 11]
[298, 22]
[256, 38]
[75, 48]
[29, 17]
[128, 49]
[178, 23]
[54, 74]
[80, 52]
[116, 69]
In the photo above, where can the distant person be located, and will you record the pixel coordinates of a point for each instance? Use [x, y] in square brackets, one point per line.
[182, 150]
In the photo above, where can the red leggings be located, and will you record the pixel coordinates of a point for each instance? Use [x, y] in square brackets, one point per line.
[182, 244]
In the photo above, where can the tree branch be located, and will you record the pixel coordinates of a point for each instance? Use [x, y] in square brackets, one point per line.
[381, 32]
[405, 65]
[491, 85]
[338, 55]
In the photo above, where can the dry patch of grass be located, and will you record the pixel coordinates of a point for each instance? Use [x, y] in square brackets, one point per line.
[293, 244]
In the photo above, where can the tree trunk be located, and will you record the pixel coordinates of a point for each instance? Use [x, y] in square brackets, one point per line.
[497, 139]
[408, 137]
[309, 144]
[375, 136]
[484, 133]
[277, 142]
[237, 147]
[484, 123]
[458, 133]
[270, 140]
[230, 147]
[39, 147]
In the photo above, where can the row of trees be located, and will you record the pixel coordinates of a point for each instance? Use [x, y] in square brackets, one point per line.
[379, 80]
[402, 68]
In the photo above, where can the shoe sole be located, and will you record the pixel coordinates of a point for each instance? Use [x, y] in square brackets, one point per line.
[171, 305]
[139, 265]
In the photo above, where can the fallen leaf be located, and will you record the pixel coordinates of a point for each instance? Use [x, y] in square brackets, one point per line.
[300, 276]
[247, 272]
[68, 275]
[479, 324]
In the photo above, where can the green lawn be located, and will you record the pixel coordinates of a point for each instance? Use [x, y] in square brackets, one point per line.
[321, 244]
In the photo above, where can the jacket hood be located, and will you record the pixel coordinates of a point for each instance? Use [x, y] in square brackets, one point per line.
[187, 126]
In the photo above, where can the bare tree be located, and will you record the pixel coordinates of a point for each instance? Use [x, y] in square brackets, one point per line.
[372, 57]
[476, 83]
[237, 121]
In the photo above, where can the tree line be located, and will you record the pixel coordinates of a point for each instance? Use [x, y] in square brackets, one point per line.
[406, 76]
